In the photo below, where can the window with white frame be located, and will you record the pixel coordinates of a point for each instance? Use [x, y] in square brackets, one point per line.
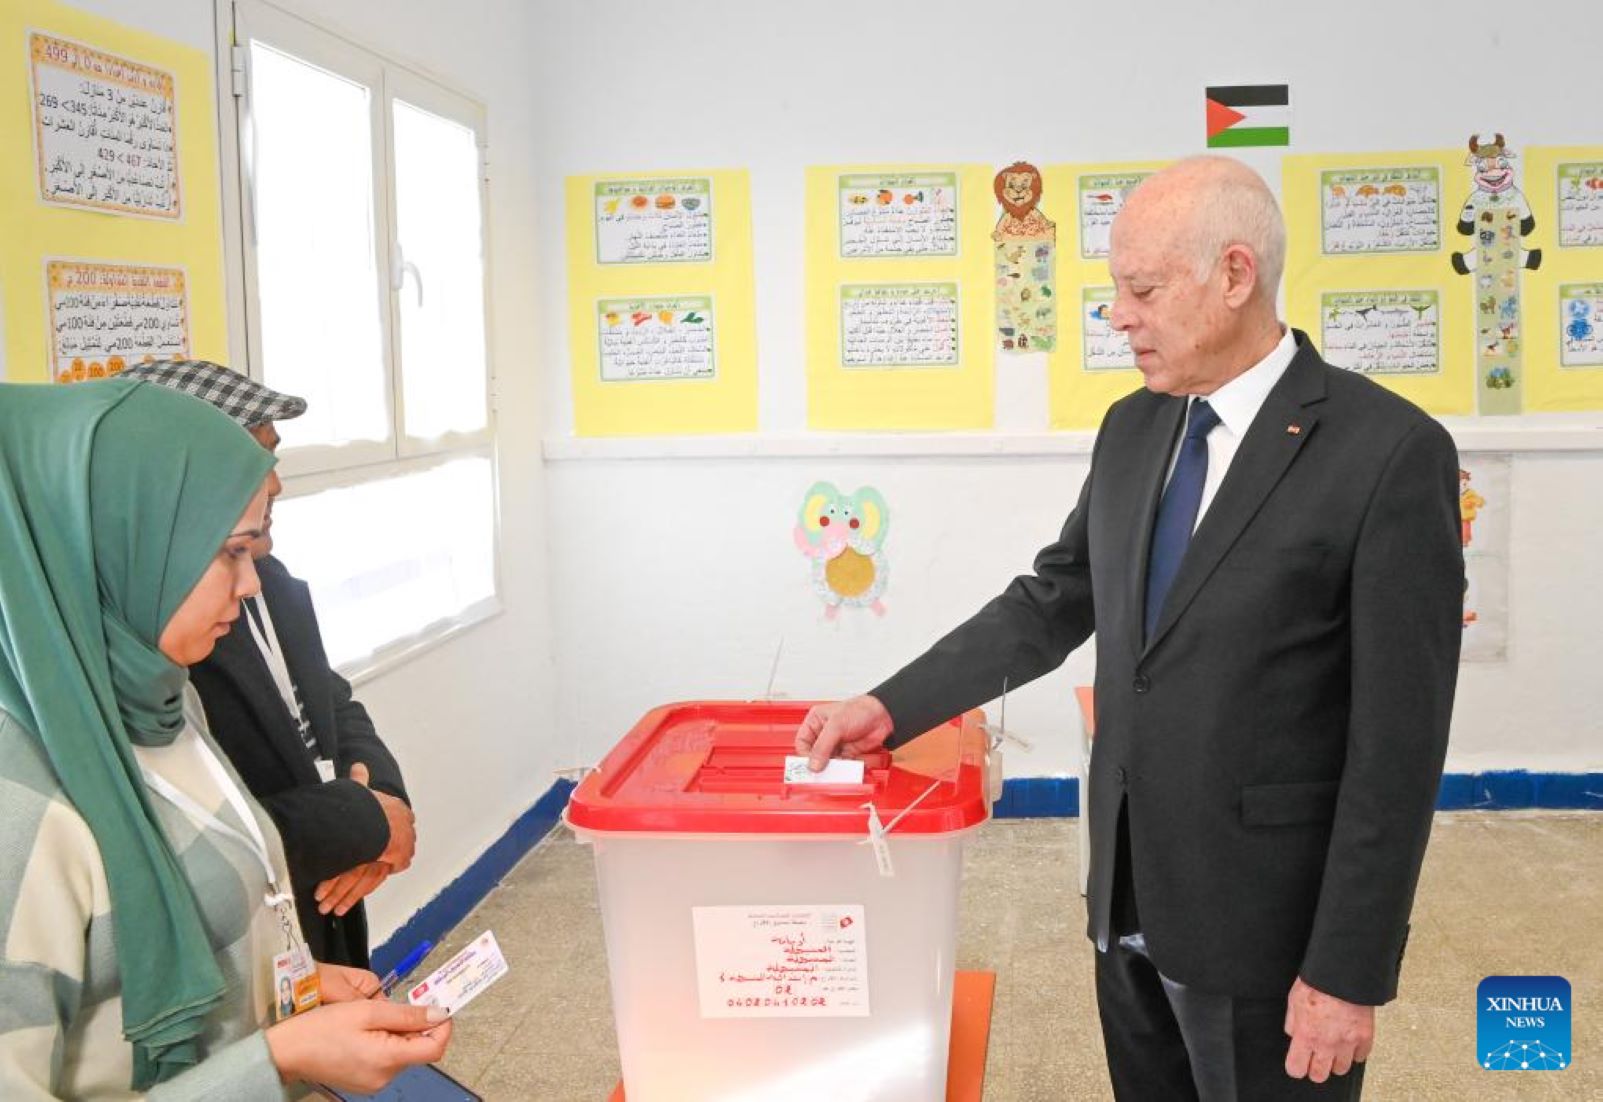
[363, 242]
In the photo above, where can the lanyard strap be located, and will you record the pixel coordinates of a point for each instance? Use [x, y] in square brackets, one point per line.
[273, 654]
[204, 820]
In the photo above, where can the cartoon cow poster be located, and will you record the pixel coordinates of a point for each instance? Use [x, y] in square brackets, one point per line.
[1498, 221]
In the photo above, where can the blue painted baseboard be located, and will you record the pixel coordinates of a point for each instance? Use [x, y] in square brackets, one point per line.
[1500, 790]
[1508, 789]
[1022, 798]
[1038, 798]
[441, 914]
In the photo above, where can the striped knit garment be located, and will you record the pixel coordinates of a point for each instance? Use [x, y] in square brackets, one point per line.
[60, 991]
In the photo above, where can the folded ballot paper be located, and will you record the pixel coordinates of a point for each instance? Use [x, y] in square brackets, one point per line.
[463, 978]
[835, 771]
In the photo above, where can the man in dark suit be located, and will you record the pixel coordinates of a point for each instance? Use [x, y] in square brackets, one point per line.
[1267, 549]
[305, 748]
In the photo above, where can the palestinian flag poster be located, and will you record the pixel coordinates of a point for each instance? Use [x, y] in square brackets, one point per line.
[1249, 114]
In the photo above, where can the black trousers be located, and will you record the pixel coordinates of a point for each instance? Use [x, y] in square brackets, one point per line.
[1168, 1043]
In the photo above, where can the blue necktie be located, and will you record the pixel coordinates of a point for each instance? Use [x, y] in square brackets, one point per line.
[1177, 513]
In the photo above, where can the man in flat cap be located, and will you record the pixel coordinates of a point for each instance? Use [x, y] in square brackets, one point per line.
[306, 749]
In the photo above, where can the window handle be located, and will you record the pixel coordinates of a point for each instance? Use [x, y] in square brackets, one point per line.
[403, 267]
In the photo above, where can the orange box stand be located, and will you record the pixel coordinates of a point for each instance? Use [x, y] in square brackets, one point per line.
[972, 994]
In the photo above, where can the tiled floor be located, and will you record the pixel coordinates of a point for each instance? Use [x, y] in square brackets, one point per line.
[1502, 893]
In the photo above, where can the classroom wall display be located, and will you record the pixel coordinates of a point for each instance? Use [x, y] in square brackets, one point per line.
[1484, 510]
[662, 309]
[104, 130]
[1442, 273]
[1564, 297]
[900, 325]
[105, 317]
[843, 535]
[1092, 366]
[110, 208]
[1368, 274]
[1025, 242]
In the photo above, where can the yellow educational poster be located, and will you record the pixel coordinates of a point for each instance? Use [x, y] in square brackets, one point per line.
[899, 297]
[110, 213]
[1371, 274]
[105, 317]
[1564, 329]
[661, 307]
[1092, 366]
[103, 130]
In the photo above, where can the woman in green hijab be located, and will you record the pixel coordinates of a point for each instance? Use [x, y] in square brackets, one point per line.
[139, 910]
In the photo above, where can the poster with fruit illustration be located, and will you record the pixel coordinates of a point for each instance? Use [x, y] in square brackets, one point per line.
[662, 326]
[654, 221]
[656, 338]
[900, 297]
[898, 214]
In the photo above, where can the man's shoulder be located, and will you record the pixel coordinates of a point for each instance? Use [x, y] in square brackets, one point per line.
[1138, 407]
[1363, 407]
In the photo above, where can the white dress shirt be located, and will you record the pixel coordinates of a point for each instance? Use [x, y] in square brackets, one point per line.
[1236, 403]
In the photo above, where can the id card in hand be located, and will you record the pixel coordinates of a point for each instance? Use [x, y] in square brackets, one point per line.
[295, 984]
[462, 978]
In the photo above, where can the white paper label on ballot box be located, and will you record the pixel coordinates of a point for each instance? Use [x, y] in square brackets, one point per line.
[782, 961]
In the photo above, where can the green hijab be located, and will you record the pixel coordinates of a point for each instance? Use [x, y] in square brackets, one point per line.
[115, 496]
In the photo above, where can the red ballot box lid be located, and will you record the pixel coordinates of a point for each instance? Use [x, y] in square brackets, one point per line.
[718, 767]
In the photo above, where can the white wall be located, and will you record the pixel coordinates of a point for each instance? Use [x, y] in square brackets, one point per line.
[471, 720]
[675, 577]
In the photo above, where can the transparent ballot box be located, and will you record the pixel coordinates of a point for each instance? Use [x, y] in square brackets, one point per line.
[776, 941]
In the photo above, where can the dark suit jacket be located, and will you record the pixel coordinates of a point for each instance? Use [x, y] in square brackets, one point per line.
[327, 828]
[1279, 741]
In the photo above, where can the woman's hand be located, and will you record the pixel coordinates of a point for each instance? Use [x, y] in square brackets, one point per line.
[359, 1045]
[339, 984]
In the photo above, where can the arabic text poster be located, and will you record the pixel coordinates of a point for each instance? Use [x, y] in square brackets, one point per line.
[1382, 332]
[105, 134]
[1380, 210]
[656, 338]
[898, 215]
[654, 221]
[899, 325]
[104, 317]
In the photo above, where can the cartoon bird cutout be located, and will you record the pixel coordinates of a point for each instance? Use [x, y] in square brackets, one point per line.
[844, 535]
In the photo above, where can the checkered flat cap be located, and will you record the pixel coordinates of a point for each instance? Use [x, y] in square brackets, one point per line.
[241, 397]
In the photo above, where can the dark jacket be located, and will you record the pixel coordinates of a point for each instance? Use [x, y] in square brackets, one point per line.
[1279, 741]
[327, 828]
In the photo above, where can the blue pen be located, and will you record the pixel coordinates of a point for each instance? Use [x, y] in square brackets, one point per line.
[408, 962]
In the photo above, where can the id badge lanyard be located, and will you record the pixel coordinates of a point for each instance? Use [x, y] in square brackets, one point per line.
[275, 899]
[273, 655]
